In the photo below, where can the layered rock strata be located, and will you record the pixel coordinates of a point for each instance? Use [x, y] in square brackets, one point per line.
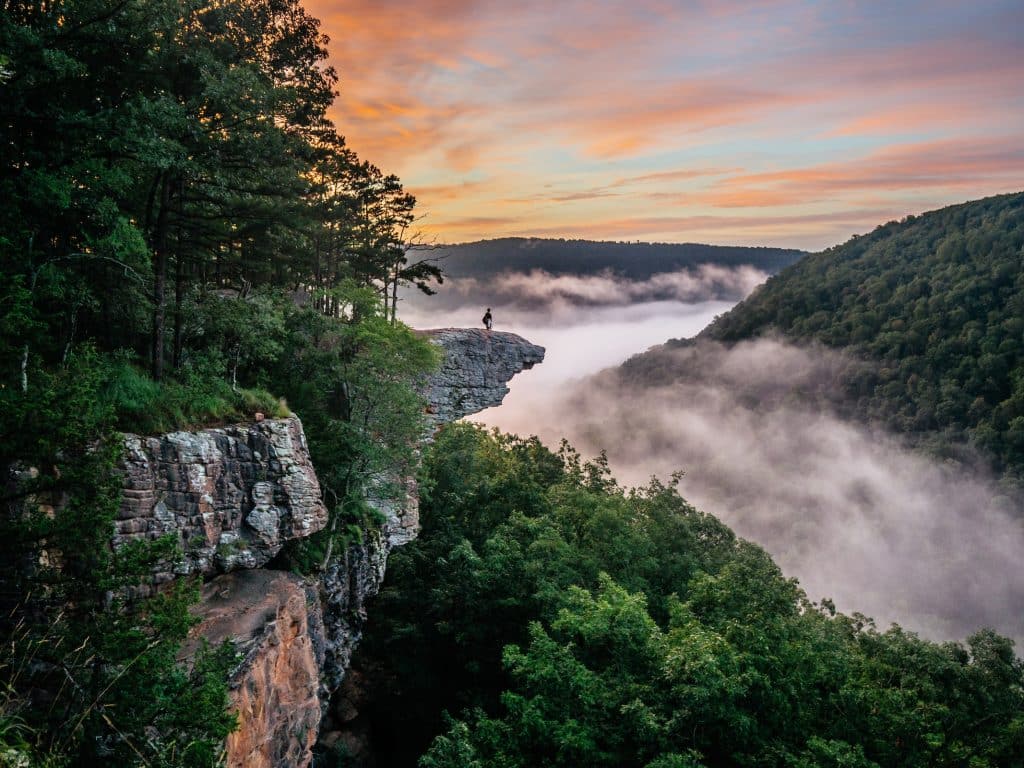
[232, 496]
[477, 366]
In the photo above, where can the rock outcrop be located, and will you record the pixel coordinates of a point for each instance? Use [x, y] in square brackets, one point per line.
[232, 496]
[235, 495]
[477, 367]
[273, 619]
[349, 581]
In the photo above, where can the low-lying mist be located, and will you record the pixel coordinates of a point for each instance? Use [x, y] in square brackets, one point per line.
[538, 297]
[588, 322]
[847, 509]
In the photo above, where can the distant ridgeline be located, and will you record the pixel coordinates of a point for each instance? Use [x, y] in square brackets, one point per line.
[635, 261]
[934, 304]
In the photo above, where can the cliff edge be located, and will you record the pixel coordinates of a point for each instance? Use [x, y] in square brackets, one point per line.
[477, 366]
[232, 496]
[235, 494]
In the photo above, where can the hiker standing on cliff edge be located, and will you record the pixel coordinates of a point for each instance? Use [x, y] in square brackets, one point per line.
[488, 320]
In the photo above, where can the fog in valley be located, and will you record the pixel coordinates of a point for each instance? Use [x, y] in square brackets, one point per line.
[846, 509]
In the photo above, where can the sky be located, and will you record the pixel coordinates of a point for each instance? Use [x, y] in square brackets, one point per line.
[746, 122]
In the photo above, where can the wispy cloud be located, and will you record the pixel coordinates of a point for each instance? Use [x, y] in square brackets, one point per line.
[648, 110]
[947, 164]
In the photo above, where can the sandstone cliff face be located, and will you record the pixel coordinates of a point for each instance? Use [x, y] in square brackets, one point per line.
[478, 364]
[273, 619]
[233, 496]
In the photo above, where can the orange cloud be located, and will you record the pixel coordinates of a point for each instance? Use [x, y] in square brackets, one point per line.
[721, 229]
[992, 164]
[597, 115]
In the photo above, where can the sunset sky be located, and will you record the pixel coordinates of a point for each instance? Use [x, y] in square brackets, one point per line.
[765, 122]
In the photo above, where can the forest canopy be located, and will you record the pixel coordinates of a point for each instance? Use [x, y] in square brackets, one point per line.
[562, 620]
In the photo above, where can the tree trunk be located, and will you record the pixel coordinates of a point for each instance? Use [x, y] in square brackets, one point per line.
[179, 290]
[394, 299]
[160, 281]
[24, 368]
[179, 282]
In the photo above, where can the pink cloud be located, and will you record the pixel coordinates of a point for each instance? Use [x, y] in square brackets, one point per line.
[647, 111]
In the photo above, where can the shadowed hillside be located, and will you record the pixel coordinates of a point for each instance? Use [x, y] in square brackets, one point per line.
[635, 261]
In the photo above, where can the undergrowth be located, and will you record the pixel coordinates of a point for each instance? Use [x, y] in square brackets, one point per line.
[191, 401]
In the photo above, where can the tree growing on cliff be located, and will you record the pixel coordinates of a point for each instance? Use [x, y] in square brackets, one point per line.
[354, 378]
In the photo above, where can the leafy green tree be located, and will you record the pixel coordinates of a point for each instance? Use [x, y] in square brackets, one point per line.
[354, 379]
[571, 622]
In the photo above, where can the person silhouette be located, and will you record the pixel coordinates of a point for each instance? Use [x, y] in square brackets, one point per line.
[488, 320]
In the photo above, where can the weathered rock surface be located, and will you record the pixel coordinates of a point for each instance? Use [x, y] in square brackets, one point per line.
[349, 581]
[477, 367]
[397, 498]
[233, 496]
[273, 618]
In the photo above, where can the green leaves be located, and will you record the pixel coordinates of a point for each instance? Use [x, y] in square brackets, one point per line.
[571, 623]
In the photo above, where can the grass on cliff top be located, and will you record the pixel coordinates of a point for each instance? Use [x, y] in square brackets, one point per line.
[145, 406]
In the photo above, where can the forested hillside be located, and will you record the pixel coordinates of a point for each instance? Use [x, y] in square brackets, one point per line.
[182, 230]
[634, 261]
[934, 304]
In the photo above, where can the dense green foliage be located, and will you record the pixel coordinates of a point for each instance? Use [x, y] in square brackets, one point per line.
[162, 162]
[353, 385]
[564, 621]
[185, 238]
[937, 302]
[183, 232]
[90, 675]
[635, 261]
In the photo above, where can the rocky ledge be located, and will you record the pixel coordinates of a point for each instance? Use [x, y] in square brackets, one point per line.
[232, 496]
[477, 367]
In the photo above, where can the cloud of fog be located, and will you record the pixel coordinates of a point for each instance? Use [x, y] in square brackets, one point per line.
[561, 297]
[706, 281]
[848, 510]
